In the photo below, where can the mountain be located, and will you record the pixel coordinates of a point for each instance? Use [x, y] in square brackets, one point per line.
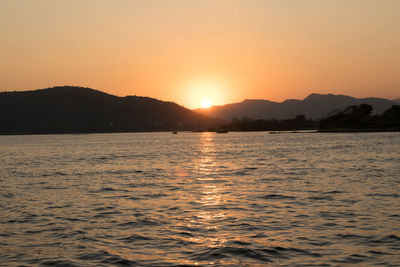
[70, 109]
[314, 106]
[397, 100]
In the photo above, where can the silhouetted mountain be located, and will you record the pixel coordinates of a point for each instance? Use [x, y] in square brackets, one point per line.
[70, 109]
[314, 106]
[397, 100]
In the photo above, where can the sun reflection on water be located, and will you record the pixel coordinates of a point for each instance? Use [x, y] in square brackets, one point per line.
[205, 165]
[210, 196]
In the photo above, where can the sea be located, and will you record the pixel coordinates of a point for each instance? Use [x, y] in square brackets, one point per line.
[200, 199]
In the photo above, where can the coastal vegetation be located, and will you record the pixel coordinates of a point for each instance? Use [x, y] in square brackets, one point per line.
[351, 119]
[359, 118]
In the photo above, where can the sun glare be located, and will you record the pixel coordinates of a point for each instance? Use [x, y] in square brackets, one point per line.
[204, 93]
[206, 103]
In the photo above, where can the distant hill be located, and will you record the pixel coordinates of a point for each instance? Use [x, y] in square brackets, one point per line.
[70, 109]
[314, 106]
[397, 100]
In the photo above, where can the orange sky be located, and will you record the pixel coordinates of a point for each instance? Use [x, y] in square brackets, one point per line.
[184, 51]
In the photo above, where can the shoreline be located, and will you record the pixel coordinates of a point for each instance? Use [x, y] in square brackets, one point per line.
[338, 130]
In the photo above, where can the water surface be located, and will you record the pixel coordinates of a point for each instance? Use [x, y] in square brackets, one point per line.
[241, 199]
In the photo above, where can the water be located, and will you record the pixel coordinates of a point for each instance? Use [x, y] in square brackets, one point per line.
[237, 199]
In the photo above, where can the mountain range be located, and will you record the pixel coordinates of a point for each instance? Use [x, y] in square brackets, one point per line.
[70, 109]
[314, 106]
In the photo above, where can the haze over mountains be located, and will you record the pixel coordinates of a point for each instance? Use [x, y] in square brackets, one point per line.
[314, 106]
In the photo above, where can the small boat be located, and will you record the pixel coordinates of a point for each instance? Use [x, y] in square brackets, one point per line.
[175, 132]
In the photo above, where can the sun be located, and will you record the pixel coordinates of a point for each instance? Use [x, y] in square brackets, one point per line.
[206, 103]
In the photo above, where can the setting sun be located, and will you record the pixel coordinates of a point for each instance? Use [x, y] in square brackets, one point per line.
[175, 132]
[204, 92]
[206, 103]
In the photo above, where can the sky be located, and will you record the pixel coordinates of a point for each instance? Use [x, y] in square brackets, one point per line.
[184, 51]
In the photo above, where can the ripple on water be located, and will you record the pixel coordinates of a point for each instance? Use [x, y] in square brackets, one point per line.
[277, 197]
[242, 199]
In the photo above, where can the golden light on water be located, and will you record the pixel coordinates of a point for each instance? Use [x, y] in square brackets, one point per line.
[211, 193]
[241, 199]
